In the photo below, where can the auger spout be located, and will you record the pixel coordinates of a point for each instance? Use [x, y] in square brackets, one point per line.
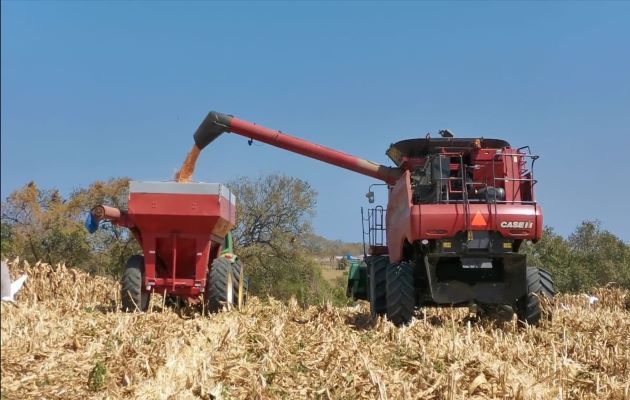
[217, 123]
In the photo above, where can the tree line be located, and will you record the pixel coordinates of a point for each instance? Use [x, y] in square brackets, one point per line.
[589, 257]
[273, 237]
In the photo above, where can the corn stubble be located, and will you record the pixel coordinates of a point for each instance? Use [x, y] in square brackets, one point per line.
[66, 339]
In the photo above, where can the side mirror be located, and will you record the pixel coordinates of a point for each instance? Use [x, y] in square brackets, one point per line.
[370, 197]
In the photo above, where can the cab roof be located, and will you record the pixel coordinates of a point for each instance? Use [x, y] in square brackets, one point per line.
[417, 148]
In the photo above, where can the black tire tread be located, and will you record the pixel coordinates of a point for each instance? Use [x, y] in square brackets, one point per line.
[539, 283]
[236, 278]
[217, 284]
[378, 284]
[401, 293]
[133, 298]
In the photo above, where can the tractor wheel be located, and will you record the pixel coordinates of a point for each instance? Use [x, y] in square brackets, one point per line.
[539, 283]
[377, 267]
[350, 290]
[219, 285]
[237, 266]
[133, 298]
[401, 293]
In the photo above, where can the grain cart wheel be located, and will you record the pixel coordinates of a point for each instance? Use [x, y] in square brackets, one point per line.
[377, 267]
[132, 296]
[539, 283]
[220, 285]
[401, 293]
[237, 270]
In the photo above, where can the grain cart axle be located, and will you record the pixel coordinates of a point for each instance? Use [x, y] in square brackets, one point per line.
[183, 229]
[458, 211]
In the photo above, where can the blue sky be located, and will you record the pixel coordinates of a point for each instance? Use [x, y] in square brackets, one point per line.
[92, 90]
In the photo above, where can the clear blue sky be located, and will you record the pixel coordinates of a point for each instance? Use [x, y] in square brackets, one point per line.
[95, 90]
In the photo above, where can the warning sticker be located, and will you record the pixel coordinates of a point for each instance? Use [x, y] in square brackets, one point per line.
[478, 220]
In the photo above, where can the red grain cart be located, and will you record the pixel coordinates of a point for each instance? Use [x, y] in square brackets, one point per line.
[182, 228]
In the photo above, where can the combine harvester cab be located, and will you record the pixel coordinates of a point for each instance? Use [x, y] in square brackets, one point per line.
[184, 232]
[457, 214]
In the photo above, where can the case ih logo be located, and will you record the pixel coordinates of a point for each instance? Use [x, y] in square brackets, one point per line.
[517, 224]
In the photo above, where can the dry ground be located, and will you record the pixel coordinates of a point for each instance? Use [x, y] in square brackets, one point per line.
[64, 340]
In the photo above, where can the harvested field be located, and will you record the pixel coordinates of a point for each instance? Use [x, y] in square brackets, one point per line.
[64, 340]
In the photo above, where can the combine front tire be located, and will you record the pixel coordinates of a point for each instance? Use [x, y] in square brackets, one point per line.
[377, 268]
[401, 293]
[528, 307]
[132, 296]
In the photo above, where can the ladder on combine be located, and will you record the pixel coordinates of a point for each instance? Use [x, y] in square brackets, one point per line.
[374, 230]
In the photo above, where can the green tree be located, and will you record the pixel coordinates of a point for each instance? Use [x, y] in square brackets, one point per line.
[41, 225]
[7, 238]
[111, 245]
[274, 211]
[590, 257]
[323, 247]
[600, 256]
[273, 222]
[552, 252]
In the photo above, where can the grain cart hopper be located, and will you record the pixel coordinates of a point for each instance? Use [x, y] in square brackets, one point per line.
[184, 232]
[457, 215]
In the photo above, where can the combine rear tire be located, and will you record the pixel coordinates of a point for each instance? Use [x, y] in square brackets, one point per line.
[377, 268]
[133, 298]
[539, 283]
[401, 293]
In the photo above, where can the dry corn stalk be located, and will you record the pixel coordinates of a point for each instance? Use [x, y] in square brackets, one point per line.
[66, 326]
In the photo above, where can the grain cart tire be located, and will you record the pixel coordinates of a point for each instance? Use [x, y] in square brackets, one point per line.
[401, 293]
[237, 266]
[133, 298]
[219, 285]
[528, 307]
[377, 268]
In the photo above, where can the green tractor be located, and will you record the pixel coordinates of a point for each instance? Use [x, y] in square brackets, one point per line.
[228, 261]
[357, 280]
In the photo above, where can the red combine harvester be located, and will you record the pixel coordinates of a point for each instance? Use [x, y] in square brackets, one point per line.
[182, 228]
[458, 212]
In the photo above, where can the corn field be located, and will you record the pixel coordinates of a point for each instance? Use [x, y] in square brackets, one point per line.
[66, 339]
